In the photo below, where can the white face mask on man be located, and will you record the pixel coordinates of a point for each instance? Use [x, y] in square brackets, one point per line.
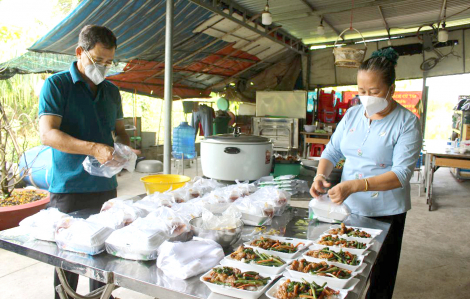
[373, 104]
[95, 72]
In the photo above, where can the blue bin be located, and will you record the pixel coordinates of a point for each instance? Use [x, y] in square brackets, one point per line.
[38, 163]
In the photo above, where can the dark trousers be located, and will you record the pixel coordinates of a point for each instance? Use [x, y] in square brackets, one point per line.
[384, 272]
[71, 202]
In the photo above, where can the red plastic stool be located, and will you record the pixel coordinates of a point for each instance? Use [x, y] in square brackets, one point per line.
[316, 149]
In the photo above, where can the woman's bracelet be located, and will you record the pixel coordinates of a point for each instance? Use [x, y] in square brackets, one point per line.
[322, 175]
[367, 185]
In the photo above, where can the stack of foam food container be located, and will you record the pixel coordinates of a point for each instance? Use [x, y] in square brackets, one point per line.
[304, 252]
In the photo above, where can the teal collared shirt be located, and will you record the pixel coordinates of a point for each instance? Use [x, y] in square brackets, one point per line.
[67, 95]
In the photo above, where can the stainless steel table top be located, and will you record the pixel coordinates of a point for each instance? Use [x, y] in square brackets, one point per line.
[146, 278]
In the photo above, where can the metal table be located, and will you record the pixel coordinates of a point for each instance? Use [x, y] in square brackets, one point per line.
[437, 157]
[146, 278]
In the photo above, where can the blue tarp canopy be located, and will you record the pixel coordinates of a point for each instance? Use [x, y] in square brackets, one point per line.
[139, 26]
[203, 60]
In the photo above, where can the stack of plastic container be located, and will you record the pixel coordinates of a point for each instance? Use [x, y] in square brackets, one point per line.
[326, 107]
[184, 141]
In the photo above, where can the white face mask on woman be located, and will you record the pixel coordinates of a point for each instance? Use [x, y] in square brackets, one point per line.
[95, 72]
[373, 104]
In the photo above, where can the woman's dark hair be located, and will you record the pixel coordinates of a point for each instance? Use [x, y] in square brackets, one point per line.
[93, 34]
[383, 62]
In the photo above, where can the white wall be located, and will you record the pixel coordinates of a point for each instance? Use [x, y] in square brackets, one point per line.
[324, 73]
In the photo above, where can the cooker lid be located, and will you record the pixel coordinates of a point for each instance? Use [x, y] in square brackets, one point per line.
[241, 138]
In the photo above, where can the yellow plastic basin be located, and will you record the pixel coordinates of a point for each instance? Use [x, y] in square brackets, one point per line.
[163, 182]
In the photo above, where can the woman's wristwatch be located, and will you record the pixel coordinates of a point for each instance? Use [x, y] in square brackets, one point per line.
[321, 175]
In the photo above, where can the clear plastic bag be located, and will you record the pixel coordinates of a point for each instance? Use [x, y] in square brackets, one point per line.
[164, 199]
[204, 186]
[168, 221]
[123, 158]
[116, 201]
[188, 210]
[255, 213]
[43, 224]
[228, 219]
[81, 236]
[175, 262]
[249, 205]
[325, 210]
[148, 206]
[114, 218]
[181, 195]
[138, 241]
[131, 211]
[278, 199]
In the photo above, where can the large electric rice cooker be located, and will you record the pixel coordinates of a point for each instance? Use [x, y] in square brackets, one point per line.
[231, 157]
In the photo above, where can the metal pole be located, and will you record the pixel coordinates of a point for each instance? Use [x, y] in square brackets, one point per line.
[168, 86]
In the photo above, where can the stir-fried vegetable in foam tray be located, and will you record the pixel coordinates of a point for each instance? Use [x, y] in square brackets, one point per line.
[330, 240]
[319, 269]
[342, 257]
[249, 255]
[235, 278]
[349, 231]
[296, 289]
[275, 245]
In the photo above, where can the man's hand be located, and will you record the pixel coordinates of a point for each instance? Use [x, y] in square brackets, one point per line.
[341, 191]
[318, 186]
[103, 153]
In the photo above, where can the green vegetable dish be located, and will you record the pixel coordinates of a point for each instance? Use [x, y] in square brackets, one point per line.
[275, 245]
[343, 257]
[233, 277]
[249, 255]
[320, 269]
[294, 289]
[330, 240]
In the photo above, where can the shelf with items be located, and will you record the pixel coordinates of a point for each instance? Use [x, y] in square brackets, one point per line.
[461, 124]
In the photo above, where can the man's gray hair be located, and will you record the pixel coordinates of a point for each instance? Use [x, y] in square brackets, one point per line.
[93, 34]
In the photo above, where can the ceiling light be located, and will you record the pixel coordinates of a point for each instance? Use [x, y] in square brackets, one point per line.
[443, 35]
[320, 28]
[266, 16]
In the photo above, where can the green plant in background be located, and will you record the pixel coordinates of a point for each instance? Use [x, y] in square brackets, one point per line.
[16, 127]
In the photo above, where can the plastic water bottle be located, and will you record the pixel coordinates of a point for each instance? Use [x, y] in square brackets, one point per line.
[184, 141]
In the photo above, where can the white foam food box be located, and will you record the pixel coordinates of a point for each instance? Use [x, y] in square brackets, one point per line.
[358, 268]
[373, 232]
[228, 261]
[234, 292]
[283, 255]
[337, 248]
[253, 220]
[272, 291]
[332, 282]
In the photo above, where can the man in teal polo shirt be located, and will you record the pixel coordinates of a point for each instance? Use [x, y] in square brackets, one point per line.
[79, 112]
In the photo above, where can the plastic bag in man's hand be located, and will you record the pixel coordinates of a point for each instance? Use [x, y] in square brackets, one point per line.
[123, 157]
[327, 211]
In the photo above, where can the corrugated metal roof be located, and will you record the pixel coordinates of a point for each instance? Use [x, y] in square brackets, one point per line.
[299, 20]
[204, 53]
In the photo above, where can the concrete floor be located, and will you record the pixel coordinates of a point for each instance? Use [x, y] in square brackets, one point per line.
[435, 260]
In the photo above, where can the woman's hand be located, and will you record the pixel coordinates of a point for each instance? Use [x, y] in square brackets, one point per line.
[342, 191]
[318, 186]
